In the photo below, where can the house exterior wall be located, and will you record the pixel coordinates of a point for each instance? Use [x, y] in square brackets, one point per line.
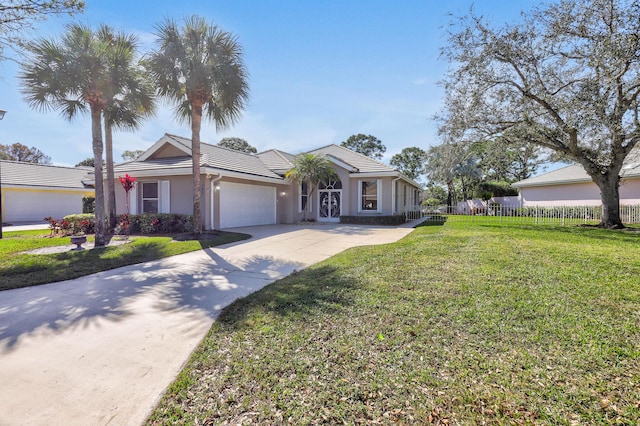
[577, 194]
[406, 197]
[168, 151]
[385, 200]
[181, 194]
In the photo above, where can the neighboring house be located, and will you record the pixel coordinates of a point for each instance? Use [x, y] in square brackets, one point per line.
[31, 192]
[572, 186]
[240, 189]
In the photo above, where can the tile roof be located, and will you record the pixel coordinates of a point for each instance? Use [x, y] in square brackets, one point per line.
[271, 164]
[575, 173]
[361, 162]
[153, 164]
[17, 173]
[276, 160]
[569, 174]
[222, 158]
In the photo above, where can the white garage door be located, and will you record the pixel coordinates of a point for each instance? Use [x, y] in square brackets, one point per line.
[246, 205]
[21, 206]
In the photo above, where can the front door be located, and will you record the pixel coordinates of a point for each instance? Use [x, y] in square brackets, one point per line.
[330, 205]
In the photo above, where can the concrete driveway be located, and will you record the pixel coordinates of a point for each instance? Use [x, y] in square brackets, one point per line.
[102, 349]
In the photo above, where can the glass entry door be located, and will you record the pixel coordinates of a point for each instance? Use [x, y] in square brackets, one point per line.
[330, 207]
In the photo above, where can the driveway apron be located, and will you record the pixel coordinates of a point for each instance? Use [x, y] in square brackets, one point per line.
[101, 349]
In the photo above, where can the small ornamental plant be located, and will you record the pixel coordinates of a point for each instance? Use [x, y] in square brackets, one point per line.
[54, 227]
[128, 183]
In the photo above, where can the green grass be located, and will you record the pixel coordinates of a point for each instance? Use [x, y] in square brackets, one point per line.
[19, 269]
[460, 324]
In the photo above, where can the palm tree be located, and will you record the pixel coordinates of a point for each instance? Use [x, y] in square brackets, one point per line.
[311, 169]
[131, 99]
[72, 75]
[199, 68]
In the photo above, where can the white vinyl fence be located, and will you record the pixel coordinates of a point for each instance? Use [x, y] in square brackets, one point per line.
[556, 215]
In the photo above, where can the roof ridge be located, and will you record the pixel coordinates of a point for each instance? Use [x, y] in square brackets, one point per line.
[211, 145]
[364, 156]
[231, 149]
[172, 136]
[380, 163]
[277, 151]
[46, 165]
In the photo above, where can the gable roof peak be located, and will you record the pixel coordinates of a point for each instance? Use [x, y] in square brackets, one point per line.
[344, 148]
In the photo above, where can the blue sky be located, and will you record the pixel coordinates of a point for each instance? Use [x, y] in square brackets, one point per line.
[320, 71]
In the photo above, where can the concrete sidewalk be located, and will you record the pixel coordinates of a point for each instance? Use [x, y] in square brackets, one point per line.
[101, 349]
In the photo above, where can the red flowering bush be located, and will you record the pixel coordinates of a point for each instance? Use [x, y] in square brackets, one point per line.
[72, 224]
[127, 182]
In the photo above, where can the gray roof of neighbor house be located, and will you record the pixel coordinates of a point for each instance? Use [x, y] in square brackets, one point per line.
[16, 173]
[575, 173]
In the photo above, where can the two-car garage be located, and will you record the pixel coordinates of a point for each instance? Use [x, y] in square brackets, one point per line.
[247, 205]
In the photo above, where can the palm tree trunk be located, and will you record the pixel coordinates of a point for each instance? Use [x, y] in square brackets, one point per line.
[96, 133]
[111, 185]
[196, 119]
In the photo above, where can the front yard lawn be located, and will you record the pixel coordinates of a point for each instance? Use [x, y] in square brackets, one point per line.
[461, 324]
[20, 269]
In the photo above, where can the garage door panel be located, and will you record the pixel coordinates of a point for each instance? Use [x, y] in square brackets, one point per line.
[33, 206]
[246, 205]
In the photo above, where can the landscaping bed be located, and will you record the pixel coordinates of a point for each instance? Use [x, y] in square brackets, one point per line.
[19, 268]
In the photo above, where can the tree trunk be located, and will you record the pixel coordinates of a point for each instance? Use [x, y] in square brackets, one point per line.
[450, 190]
[609, 185]
[96, 134]
[111, 185]
[196, 119]
[464, 189]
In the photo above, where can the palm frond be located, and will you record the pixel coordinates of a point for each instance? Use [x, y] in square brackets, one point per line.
[199, 62]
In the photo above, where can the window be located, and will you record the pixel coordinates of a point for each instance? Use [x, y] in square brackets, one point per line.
[303, 201]
[150, 197]
[369, 192]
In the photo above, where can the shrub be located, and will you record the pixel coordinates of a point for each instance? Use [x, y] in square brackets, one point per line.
[394, 220]
[88, 204]
[80, 223]
[429, 202]
[157, 223]
[486, 190]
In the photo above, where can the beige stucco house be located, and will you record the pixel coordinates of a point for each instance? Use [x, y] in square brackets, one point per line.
[31, 192]
[240, 189]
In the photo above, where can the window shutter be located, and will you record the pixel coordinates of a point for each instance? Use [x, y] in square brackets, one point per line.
[165, 197]
[133, 200]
